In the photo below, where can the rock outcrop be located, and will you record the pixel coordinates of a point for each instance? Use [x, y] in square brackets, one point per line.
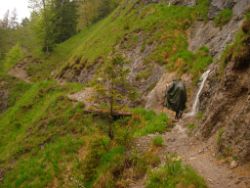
[226, 101]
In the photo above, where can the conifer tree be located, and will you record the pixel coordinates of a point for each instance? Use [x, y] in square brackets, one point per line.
[114, 90]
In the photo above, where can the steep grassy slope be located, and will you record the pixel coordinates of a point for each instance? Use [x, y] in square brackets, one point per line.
[47, 140]
[163, 29]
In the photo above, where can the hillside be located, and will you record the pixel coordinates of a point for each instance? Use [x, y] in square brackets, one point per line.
[56, 130]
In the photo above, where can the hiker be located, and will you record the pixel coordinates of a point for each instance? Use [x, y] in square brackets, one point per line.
[176, 97]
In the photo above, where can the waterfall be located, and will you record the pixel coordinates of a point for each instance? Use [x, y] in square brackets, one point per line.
[197, 97]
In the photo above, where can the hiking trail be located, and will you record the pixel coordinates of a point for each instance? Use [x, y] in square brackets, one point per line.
[19, 72]
[197, 154]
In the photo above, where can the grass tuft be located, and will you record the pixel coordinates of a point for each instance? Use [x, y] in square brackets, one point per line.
[223, 17]
[158, 141]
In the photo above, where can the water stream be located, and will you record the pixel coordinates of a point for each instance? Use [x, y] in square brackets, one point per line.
[197, 97]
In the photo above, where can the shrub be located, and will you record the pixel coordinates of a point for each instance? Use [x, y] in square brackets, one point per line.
[223, 17]
[158, 141]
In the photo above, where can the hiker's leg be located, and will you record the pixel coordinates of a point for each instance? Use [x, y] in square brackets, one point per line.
[180, 114]
[176, 115]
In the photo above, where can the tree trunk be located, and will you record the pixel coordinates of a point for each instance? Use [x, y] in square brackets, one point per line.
[46, 43]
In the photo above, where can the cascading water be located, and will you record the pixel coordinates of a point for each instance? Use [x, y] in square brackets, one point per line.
[197, 97]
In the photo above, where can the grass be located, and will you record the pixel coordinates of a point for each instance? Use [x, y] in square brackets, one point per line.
[37, 137]
[158, 141]
[223, 17]
[238, 51]
[219, 135]
[163, 27]
[174, 173]
[191, 127]
[143, 75]
[13, 57]
[45, 138]
[148, 122]
[202, 9]
[43, 132]
[189, 62]
[15, 88]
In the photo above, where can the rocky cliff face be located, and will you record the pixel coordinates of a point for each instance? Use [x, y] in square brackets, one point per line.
[225, 101]
[217, 38]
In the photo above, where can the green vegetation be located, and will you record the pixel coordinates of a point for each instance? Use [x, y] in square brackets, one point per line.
[223, 17]
[174, 174]
[148, 122]
[202, 9]
[238, 51]
[220, 133]
[44, 132]
[109, 90]
[143, 75]
[191, 127]
[158, 141]
[15, 88]
[163, 26]
[200, 115]
[48, 140]
[188, 62]
[13, 57]
[31, 135]
[91, 11]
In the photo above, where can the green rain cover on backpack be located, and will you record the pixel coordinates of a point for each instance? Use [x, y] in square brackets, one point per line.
[176, 96]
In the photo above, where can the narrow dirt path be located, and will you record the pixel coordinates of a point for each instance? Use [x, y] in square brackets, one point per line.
[196, 153]
[19, 72]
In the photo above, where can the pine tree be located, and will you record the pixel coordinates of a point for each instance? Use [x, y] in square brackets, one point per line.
[64, 19]
[114, 90]
[59, 20]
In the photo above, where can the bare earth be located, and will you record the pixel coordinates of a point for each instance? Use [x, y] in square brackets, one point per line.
[19, 72]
